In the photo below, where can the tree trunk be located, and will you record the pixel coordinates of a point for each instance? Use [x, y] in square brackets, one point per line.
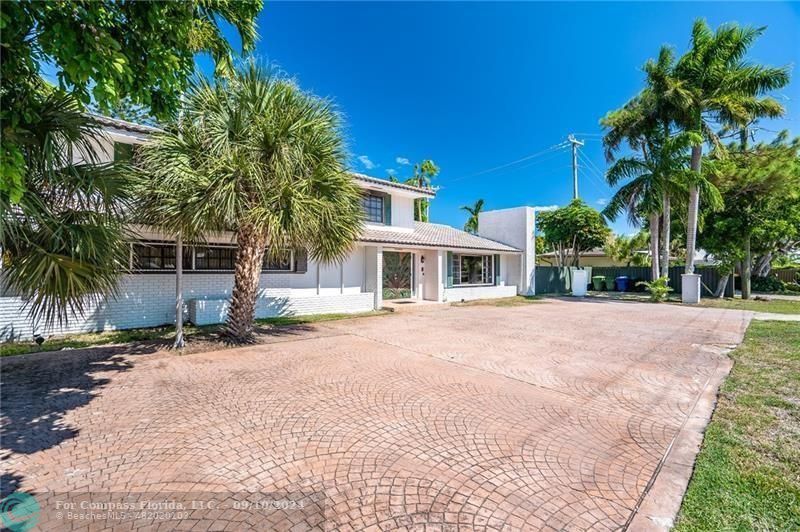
[179, 342]
[763, 265]
[694, 205]
[666, 236]
[247, 274]
[654, 246]
[747, 265]
[721, 285]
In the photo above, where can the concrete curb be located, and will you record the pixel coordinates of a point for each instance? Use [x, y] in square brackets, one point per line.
[662, 499]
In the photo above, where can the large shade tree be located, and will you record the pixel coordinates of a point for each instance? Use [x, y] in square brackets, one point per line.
[719, 87]
[257, 156]
[761, 189]
[572, 230]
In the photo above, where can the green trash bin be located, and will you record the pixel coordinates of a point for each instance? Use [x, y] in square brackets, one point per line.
[597, 282]
[609, 284]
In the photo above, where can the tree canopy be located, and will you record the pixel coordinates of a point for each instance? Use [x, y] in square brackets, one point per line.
[573, 229]
[104, 52]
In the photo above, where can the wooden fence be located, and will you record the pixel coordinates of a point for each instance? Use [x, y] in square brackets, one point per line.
[555, 280]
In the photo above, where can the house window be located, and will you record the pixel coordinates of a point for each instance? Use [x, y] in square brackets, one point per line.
[155, 256]
[281, 263]
[473, 269]
[214, 258]
[373, 208]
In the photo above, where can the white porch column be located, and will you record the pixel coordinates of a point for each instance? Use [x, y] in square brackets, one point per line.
[441, 274]
[379, 278]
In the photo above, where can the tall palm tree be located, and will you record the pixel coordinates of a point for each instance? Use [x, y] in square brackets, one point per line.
[471, 226]
[718, 86]
[424, 173]
[643, 122]
[257, 156]
[63, 240]
[659, 172]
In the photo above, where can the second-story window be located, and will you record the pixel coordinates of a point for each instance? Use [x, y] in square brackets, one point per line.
[373, 208]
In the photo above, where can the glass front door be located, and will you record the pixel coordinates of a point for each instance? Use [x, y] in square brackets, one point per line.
[398, 271]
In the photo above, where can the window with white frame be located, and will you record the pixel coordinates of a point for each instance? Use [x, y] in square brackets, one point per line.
[473, 269]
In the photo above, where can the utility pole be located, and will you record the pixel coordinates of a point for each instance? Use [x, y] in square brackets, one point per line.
[575, 143]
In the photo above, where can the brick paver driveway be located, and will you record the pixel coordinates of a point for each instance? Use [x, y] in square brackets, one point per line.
[546, 416]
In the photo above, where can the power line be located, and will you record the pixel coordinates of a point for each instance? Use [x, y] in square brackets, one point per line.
[594, 172]
[555, 147]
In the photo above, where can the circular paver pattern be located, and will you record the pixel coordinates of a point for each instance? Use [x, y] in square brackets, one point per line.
[551, 416]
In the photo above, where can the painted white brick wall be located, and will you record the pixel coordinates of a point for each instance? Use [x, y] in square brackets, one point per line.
[468, 293]
[148, 300]
[209, 311]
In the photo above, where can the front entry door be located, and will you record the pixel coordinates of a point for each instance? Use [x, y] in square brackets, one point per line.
[398, 272]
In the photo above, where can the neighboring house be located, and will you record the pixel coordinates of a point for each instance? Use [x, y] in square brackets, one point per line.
[594, 257]
[441, 264]
[597, 257]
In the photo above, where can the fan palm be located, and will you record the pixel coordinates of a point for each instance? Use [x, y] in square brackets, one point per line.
[257, 156]
[718, 86]
[63, 240]
[471, 226]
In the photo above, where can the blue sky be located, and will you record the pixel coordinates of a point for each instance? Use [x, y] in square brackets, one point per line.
[474, 86]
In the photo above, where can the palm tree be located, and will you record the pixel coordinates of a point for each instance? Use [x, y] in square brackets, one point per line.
[472, 222]
[424, 173]
[660, 172]
[63, 240]
[257, 156]
[718, 86]
[643, 122]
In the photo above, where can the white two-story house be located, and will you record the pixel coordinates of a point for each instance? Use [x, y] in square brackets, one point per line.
[395, 258]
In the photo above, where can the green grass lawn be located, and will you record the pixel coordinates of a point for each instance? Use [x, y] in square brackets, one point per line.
[514, 301]
[747, 475]
[165, 334]
[778, 306]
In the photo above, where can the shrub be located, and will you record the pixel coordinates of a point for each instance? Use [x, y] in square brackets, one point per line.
[767, 284]
[659, 289]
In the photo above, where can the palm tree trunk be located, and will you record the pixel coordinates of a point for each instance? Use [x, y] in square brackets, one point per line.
[694, 206]
[250, 255]
[654, 246]
[179, 342]
[666, 236]
[747, 265]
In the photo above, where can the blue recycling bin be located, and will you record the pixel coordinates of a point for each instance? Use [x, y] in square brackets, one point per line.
[622, 283]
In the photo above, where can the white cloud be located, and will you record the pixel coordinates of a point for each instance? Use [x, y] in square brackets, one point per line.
[391, 171]
[364, 160]
[602, 202]
[403, 161]
[545, 207]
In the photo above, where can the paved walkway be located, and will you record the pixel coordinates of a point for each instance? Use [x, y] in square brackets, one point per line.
[555, 415]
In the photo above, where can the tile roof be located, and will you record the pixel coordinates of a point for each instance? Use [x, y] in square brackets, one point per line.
[434, 235]
[369, 179]
[124, 124]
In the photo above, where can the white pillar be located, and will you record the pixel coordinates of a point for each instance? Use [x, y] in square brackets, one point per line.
[690, 288]
[441, 274]
[379, 278]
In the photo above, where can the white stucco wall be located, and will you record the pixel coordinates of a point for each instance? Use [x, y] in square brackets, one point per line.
[514, 227]
[468, 293]
[402, 211]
